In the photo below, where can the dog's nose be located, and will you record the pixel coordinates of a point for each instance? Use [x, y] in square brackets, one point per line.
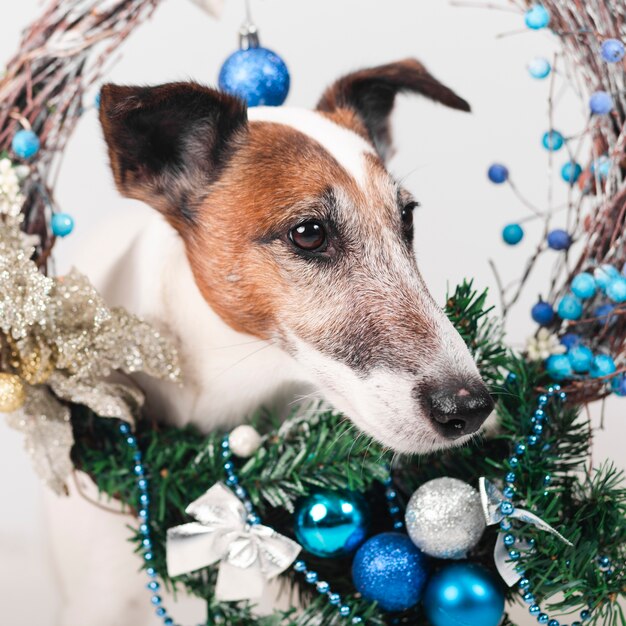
[457, 411]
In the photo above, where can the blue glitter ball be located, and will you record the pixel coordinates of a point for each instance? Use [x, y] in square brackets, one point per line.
[570, 307]
[542, 313]
[537, 17]
[552, 140]
[600, 103]
[257, 75]
[539, 68]
[25, 144]
[584, 285]
[612, 50]
[569, 340]
[602, 365]
[512, 234]
[616, 289]
[62, 224]
[464, 594]
[559, 239]
[498, 173]
[618, 385]
[571, 171]
[390, 570]
[580, 358]
[331, 523]
[604, 275]
[559, 367]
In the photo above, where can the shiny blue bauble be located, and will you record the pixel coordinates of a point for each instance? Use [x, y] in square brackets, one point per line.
[600, 103]
[584, 285]
[570, 307]
[512, 234]
[391, 570]
[580, 358]
[559, 366]
[537, 17]
[571, 171]
[62, 224]
[464, 594]
[616, 289]
[602, 365]
[612, 50]
[25, 144]
[331, 523]
[539, 68]
[559, 239]
[552, 140]
[498, 173]
[542, 313]
[256, 75]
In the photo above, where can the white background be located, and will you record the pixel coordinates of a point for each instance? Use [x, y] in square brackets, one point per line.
[443, 155]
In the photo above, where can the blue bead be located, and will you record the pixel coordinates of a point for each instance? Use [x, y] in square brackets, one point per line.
[523, 583]
[547, 479]
[580, 358]
[146, 543]
[144, 499]
[514, 555]
[509, 539]
[253, 519]
[569, 308]
[344, 610]
[334, 598]
[257, 75]
[25, 144]
[229, 466]
[388, 481]
[153, 585]
[532, 440]
[585, 614]
[513, 462]
[600, 103]
[542, 400]
[137, 456]
[511, 378]
[542, 313]
[554, 622]
[151, 572]
[506, 507]
[142, 483]
[240, 492]
[511, 477]
[124, 428]
[508, 491]
[398, 525]
[577, 623]
[512, 234]
[559, 239]
[168, 621]
[534, 609]
[602, 365]
[520, 449]
[604, 561]
[225, 443]
[390, 494]
[538, 429]
[144, 529]
[143, 514]
[571, 171]
[322, 586]
[552, 140]
[612, 50]
[539, 415]
[148, 556]
[497, 173]
[539, 68]
[357, 620]
[529, 598]
[138, 469]
[160, 611]
[311, 577]
[226, 454]
[232, 480]
[299, 566]
[537, 17]
[394, 510]
[505, 524]
[62, 224]
[248, 506]
[616, 290]
[542, 618]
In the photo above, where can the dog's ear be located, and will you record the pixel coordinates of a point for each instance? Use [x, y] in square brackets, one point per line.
[371, 93]
[168, 143]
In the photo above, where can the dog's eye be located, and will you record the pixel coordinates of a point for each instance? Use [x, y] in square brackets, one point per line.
[309, 236]
[407, 219]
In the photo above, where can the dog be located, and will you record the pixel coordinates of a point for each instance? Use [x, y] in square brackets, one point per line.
[278, 252]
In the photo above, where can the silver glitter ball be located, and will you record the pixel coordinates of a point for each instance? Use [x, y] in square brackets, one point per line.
[444, 518]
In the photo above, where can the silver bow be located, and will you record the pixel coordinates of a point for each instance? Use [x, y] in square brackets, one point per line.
[491, 498]
[249, 555]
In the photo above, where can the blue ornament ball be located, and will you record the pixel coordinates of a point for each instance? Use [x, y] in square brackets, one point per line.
[498, 173]
[539, 68]
[257, 75]
[552, 140]
[604, 314]
[570, 307]
[25, 144]
[612, 50]
[584, 285]
[580, 358]
[569, 340]
[571, 171]
[464, 594]
[601, 103]
[616, 289]
[542, 313]
[390, 570]
[559, 366]
[604, 275]
[331, 523]
[618, 385]
[559, 239]
[512, 234]
[602, 365]
[62, 224]
[537, 17]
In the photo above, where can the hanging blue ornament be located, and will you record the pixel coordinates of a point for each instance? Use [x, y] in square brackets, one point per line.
[602, 365]
[570, 307]
[464, 594]
[539, 68]
[584, 285]
[558, 366]
[571, 171]
[600, 103]
[580, 358]
[255, 74]
[512, 234]
[542, 313]
[498, 173]
[537, 17]
[559, 239]
[612, 50]
[552, 140]
[390, 570]
[569, 340]
[616, 289]
[25, 144]
[62, 224]
[604, 275]
[331, 523]
[618, 385]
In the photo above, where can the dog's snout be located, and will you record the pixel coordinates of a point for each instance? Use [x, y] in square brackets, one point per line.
[458, 410]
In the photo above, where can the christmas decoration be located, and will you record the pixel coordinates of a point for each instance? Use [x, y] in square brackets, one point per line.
[584, 285]
[542, 313]
[512, 234]
[539, 68]
[543, 344]
[444, 518]
[389, 569]
[612, 50]
[498, 173]
[62, 224]
[464, 594]
[331, 523]
[571, 171]
[600, 102]
[537, 17]
[552, 140]
[559, 239]
[25, 144]
[244, 441]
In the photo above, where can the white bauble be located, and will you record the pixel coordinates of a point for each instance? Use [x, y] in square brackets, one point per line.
[244, 441]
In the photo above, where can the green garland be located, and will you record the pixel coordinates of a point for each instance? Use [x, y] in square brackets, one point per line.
[587, 506]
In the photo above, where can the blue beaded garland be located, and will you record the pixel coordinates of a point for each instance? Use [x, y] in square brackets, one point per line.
[612, 50]
[512, 234]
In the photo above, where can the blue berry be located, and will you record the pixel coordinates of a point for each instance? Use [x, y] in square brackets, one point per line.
[570, 308]
[601, 103]
[602, 365]
[618, 385]
[580, 358]
[584, 285]
[542, 313]
[311, 577]
[616, 289]
[559, 239]
[512, 234]
[612, 50]
[537, 17]
[25, 144]
[498, 173]
[62, 224]
[539, 68]
[560, 368]
[552, 140]
[571, 171]
[569, 340]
